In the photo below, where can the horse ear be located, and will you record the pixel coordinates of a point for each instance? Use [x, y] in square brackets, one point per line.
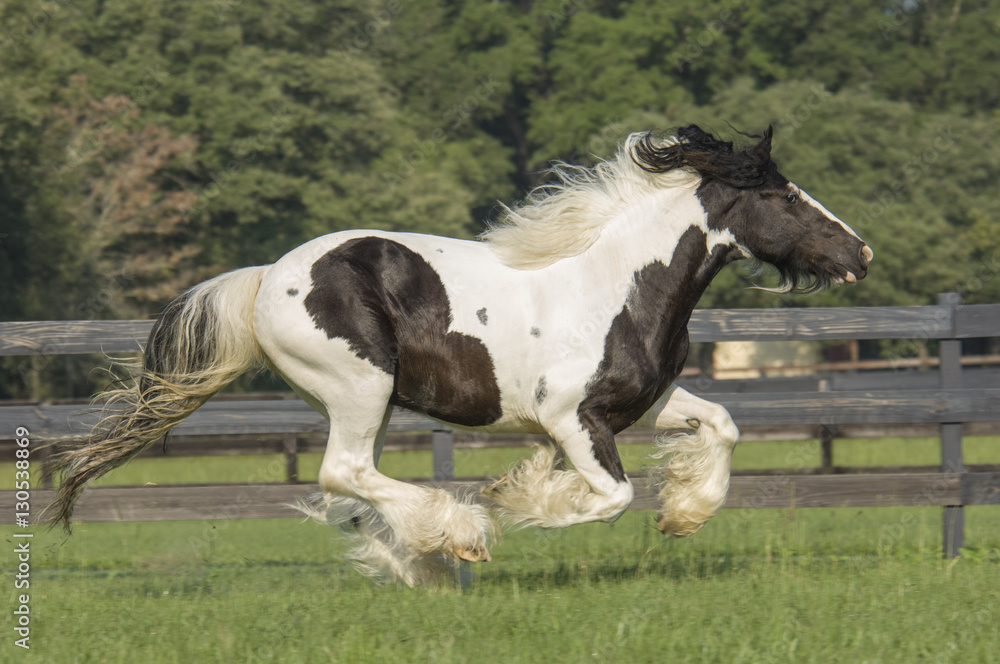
[763, 149]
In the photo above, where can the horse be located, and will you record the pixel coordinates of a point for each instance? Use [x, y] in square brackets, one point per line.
[567, 317]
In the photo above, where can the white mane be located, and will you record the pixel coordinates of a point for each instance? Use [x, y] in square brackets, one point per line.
[564, 218]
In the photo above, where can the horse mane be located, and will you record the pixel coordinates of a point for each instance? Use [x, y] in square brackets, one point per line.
[565, 217]
[711, 157]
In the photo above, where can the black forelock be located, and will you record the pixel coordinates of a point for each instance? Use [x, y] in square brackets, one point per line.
[712, 157]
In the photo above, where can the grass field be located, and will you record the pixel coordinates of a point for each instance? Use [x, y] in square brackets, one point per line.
[807, 585]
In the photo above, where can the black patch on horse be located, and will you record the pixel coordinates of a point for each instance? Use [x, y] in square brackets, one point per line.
[647, 343]
[535, 332]
[481, 315]
[391, 307]
[292, 292]
[541, 391]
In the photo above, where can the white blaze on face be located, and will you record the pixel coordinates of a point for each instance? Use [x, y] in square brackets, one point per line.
[819, 206]
[865, 250]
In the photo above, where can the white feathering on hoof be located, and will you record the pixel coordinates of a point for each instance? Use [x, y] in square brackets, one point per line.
[378, 550]
[536, 493]
[693, 480]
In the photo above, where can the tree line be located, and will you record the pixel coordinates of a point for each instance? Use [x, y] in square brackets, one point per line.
[146, 145]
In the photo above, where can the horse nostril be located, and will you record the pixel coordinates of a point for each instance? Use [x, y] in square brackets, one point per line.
[866, 255]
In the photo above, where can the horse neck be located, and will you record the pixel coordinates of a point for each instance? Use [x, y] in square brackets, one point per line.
[661, 256]
[653, 229]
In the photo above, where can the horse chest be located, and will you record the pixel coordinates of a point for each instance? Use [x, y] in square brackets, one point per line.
[631, 377]
[645, 347]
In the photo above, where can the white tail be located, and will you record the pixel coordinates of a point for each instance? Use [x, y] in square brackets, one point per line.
[201, 342]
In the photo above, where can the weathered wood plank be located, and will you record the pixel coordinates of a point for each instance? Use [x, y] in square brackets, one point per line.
[295, 416]
[977, 320]
[875, 407]
[845, 490]
[910, 380]
[264, 501]
[73, 337]
[200, 446]
[981, 488]
[841, 381]
[214, 418]
[928, 322]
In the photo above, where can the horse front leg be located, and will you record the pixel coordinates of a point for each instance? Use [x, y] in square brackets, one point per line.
[540, 492]
[694, 460]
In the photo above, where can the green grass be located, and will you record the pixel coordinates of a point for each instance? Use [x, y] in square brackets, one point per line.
[806, 585]
[479, 462]
[761, 585]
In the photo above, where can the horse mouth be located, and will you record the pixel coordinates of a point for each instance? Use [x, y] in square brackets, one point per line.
[848, 275]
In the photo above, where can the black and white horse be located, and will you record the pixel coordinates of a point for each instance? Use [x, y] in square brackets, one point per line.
[569, 318]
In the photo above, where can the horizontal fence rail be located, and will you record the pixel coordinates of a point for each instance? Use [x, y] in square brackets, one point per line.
[906, 403]
[755, 409]
[268, 501]
[787, 324]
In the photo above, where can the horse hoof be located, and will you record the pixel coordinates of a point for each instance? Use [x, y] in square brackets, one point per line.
[673, 527]
[474, 555]
[495, 488]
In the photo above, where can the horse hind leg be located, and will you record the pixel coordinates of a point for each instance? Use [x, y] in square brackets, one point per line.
[376, 550]
[413, 539]
[400, 531]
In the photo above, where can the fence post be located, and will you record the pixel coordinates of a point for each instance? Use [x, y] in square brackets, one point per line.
[442, 444]
[827, 434]
[953, 521]
[290, 445]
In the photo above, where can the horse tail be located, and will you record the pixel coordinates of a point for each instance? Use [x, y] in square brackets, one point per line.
[201, 342]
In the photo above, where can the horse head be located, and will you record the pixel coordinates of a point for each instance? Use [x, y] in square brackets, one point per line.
[770, 218]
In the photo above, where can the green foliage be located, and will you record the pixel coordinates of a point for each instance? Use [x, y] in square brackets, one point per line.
[276, 122]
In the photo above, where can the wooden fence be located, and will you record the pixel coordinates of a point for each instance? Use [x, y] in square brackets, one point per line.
[901, 402]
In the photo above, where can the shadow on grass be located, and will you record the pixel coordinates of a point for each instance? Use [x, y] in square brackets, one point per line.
[531, 575]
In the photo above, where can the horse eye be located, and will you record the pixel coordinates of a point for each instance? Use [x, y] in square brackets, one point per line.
[792, 199]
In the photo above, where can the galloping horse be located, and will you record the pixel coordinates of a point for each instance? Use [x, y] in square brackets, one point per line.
[569, 318]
